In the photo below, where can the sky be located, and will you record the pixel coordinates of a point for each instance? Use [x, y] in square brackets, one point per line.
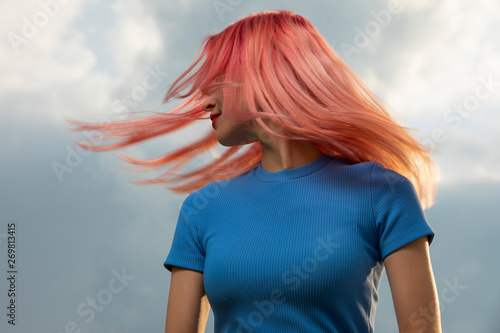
[90, 245]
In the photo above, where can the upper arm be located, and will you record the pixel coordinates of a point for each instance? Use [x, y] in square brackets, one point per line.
[188, 306]
[413, 288]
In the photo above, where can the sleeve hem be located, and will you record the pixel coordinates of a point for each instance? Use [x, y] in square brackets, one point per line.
[411, 236]
[195, 266]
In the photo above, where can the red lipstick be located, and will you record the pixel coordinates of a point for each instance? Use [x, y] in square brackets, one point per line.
[213, 119]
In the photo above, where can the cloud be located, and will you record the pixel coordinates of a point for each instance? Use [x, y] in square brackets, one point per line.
[135, 34]
[59, 61]
[429, 58]
[90, 55]
[427, 61]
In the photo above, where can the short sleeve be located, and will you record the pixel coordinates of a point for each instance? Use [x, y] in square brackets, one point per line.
[187, 250]
[398, 213]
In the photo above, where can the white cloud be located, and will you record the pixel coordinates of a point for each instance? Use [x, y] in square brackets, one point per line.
[55, 62]
[36, 53]
[429, 57]
[432, 58]
[134, 33]
[469, 157]
[438, 56]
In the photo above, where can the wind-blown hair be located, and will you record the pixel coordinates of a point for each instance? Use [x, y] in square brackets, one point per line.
[284, 70]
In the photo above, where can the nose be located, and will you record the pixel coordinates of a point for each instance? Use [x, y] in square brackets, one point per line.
[209, 103]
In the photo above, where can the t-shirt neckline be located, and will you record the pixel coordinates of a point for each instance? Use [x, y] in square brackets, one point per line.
[287, 174]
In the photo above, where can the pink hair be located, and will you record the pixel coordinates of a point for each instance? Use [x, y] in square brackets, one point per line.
[286, 71]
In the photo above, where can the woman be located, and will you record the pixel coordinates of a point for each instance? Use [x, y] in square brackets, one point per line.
[293, 234]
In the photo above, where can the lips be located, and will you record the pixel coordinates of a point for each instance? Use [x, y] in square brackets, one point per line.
[214, 117]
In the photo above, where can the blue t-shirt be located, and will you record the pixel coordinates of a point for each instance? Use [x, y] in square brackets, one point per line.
[299, 250]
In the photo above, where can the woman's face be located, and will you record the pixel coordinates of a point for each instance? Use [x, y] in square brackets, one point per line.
[228, 133]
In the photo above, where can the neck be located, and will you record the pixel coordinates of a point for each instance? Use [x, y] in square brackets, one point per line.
[279, 154]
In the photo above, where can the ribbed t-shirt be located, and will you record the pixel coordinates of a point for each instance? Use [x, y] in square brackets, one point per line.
[298, 250]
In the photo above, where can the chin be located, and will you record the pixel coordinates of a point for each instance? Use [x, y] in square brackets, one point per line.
[234, 142]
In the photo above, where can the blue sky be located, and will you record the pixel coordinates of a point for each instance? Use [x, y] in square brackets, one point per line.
[85, 232]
